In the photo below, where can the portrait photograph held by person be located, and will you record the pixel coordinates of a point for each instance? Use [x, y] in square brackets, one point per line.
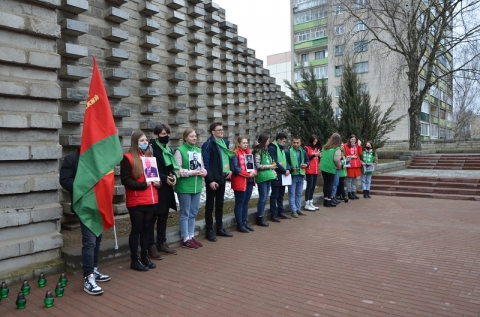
[150, 169]
[195, 161]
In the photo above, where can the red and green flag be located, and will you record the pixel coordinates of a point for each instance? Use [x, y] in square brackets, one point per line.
[100, 151]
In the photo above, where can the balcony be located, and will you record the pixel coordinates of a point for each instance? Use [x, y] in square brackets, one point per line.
[311, 43]
[316, 62]
[309, 25]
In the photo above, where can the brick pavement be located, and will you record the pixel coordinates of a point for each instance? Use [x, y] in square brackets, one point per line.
[386, 256]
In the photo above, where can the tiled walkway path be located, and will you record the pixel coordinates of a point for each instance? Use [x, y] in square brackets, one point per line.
[385, 256]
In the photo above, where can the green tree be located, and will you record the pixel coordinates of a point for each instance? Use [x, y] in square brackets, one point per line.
[309, 110]
[359, 116]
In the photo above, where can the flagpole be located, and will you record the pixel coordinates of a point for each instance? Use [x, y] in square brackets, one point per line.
[115, 235]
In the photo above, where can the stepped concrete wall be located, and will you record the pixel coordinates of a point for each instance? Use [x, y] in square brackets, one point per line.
[167, 61]
[453, 144]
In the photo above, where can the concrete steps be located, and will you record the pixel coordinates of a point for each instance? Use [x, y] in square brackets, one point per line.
[426, 187]
[447, 162]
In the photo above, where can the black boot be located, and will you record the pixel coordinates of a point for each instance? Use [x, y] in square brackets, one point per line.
[364, 194]
[335, 201]
[210, 236]
[223, 233]
[146, 260]
[325, 203]
[354, 194]
[368, 194]
[345, 199]
[242, 229]
[138, 266]
[329, 203]
[261, 222]
[350, 195]
[248, 226]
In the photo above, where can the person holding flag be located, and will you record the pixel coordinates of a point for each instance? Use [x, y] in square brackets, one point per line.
[87, 174]
[141, 199]
[167, 168]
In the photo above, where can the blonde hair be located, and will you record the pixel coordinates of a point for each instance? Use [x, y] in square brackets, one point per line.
[334, 142]
[187, 132]
[137, 168]
[239, 141]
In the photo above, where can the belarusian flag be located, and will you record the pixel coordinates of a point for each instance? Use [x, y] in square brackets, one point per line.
[100, 151]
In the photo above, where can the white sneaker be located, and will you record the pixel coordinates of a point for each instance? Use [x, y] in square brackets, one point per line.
[99, 277]
[314, 207]
[91, 286]
[308, 205]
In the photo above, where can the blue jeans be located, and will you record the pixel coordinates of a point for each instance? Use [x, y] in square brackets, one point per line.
[189, 204]
[276, 200]
[366, 181]
[336, 180]
[295, 193]
[263, 190]
[241, 204]
[90, 249]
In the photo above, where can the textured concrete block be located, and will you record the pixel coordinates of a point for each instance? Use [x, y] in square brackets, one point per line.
[14, 152]
[212, 54]
[73, 117]
[73, 27]
[116, 35]
[195, 11]
[150, 25]
[117, 54]
[149, 125]
[124, 132]
[214, 103]
[177, 120]
[74, 6]
[212, 18]
[195, 25]
[175, 17]
[118, 92]
[198, 117]
[177, 77]
[225, 25]
[45, 121]
[149, 8]
[175, 32]
[196, 78]
[196, 91]
[149, 77]
[211, 6]
[45, 242]
[69, 140]
[197, 104]
[176, 62]
[149, 41]
[149, 92]
[226, 68]
[47, 182]
[13, 121]
[196, 63]
[117, 74]
[212, 41]
[10, 185]
[73, 72]
[72, 50]
[177, 106]
[196, 51]
[150, 109]
[228, 90]
[116, 15]
[119, 190]
[48, 3]
[121, 112]
[226, 46]
[12, 21]
[149, 58]
[214, 114]
[45, 152]
[213, 90]
[177, 91]
[213, 66]
[117, 3]
[225, 35]
[214, 78]
[13, 88]
[71, 94]
[175, 4]
[12, 55]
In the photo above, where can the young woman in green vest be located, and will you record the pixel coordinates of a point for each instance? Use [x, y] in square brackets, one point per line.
[342, 172]
[189, 187]
[330, 161]
[369, 156]
[265, 174]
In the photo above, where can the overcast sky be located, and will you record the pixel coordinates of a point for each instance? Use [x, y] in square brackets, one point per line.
[265, 24]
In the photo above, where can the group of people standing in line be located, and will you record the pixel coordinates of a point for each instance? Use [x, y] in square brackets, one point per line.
[187, 169]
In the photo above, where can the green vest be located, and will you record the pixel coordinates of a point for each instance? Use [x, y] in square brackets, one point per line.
[369, 158]
[343, 171]
[281, 157]
[265, 175]
[294, 160]
[191, 184]
[326, 162]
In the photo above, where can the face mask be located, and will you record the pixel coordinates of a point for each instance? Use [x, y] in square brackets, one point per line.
[368, 148]
[164, 139]
[143, 146]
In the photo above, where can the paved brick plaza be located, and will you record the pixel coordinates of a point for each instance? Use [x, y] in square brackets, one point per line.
[386, 256]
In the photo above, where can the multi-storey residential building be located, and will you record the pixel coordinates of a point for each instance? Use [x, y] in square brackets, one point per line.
[326, 37]
[280, 67]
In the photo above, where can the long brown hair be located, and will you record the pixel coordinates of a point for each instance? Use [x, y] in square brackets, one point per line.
[348, 141]
[334, 142]
[237, 143]
[137, 168]
[262, 142]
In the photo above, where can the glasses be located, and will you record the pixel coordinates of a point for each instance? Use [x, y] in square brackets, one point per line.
[221, 130]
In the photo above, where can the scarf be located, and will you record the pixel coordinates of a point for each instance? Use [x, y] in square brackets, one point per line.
[294, 160]
[168, 156]
[226, 155]
[281, 157]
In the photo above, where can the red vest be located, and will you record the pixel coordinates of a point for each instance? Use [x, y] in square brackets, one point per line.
[239, 182]
[352, 151]
[314, 162]
[148, 196]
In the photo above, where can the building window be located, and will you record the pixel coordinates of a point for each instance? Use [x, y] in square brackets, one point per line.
[321, 72]
[298, 76]
[360, 25]
[305, 4]
[339, 9]
[320, 54]
[361, 67]
[434, 131]
[337, 91]
[338, 112]
[360, 4]
[425, 107]
[363, 88]
[339, 29]
[310, 34]
[360, 46]
[304, 57]
[310, 15]
[424, 129]
[449, 116]
[442, 133]
[338, 50]
[338, 70]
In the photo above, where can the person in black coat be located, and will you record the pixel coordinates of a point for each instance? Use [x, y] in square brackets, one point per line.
[90, 242]
[166, 195]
